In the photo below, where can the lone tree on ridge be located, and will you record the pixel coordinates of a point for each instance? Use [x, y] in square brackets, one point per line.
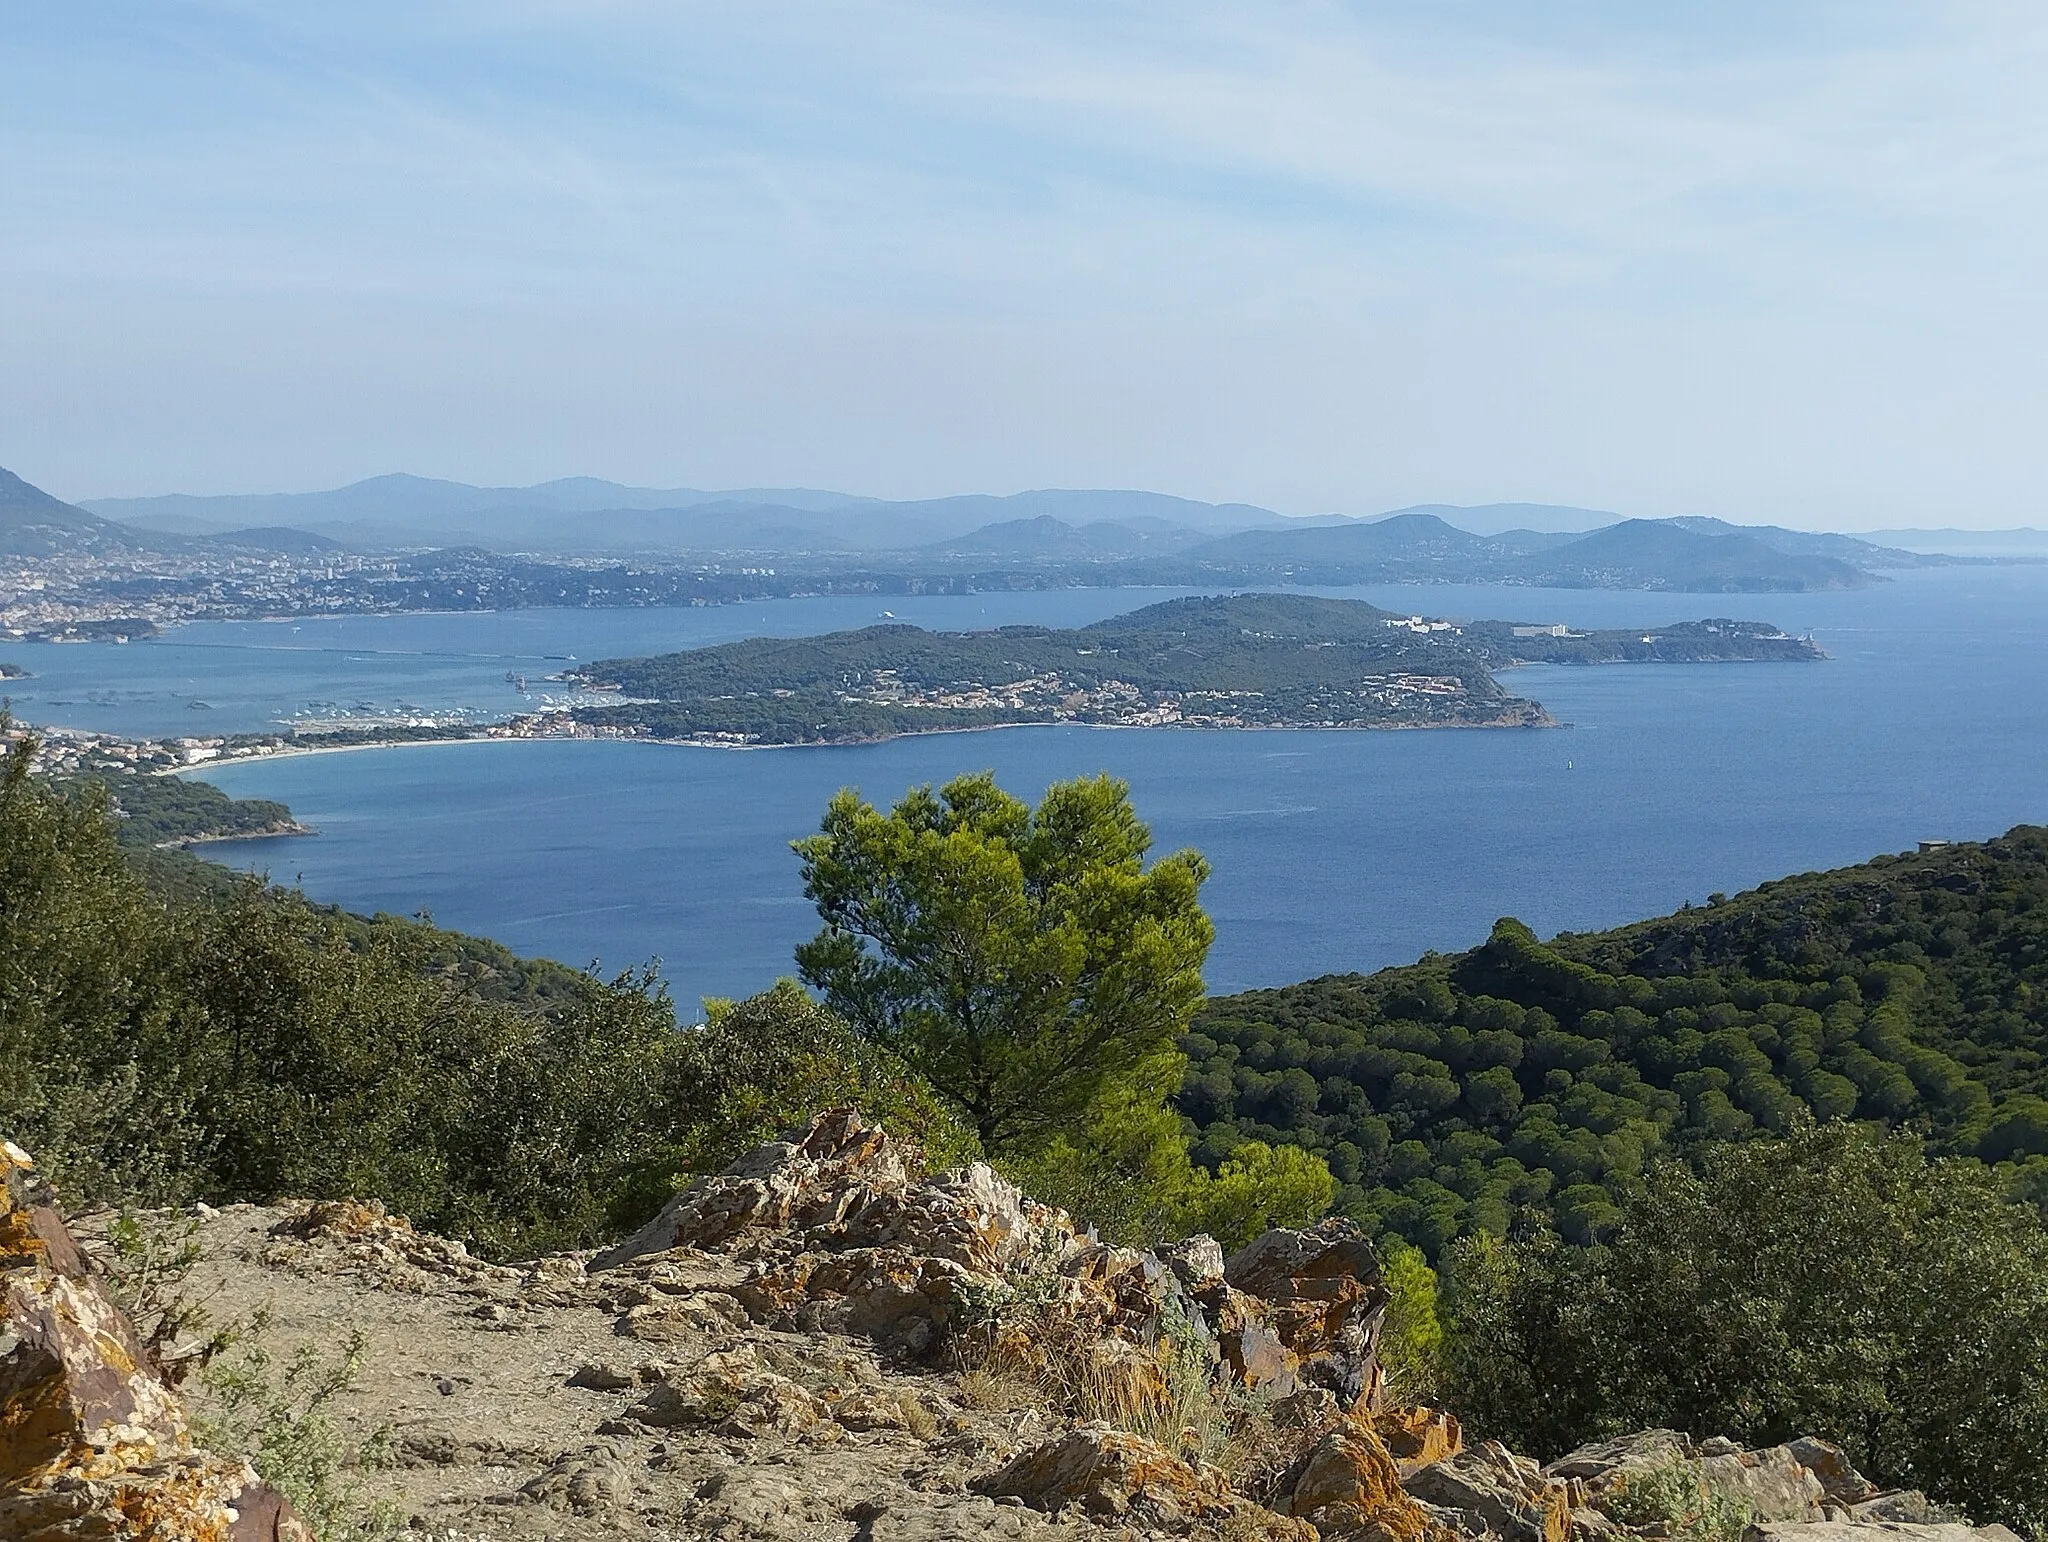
[1025, 961]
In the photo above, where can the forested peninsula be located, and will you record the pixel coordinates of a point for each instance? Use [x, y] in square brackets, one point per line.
[1235, 661]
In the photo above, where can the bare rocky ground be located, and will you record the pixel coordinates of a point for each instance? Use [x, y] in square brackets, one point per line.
[544, 1403]
[822, 1346]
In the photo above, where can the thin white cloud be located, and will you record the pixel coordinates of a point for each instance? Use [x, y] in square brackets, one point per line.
[1629, 205]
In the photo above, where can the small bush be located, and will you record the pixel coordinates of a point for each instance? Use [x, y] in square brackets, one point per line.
[279, 1416]
[147, 1261]
[1675, 1496]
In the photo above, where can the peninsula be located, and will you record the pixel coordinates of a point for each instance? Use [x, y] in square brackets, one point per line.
[1237, 661]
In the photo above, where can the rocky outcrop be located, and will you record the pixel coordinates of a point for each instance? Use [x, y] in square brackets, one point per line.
[823, 1344]
[1347, 1485]
[1110, 1472]
[93, 1440]
[834, 1234]
[1488, 1490]
[1873, 1531]
[1803, 1481]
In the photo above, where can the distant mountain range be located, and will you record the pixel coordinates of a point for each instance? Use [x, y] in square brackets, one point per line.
[584, 514]
[1088, 536]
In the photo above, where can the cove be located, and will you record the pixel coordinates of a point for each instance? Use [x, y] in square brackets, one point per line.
[1331, 851]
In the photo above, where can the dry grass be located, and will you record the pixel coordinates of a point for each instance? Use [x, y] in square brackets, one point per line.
[1171, 1392]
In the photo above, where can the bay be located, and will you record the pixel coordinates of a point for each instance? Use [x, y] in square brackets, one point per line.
[1331, 851]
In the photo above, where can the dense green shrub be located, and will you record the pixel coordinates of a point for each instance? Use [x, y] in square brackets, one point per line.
[1526, 1084]
[759, 1066]
[243, 1044]
[1834, 1282]
[162, 1048]
[221, 1039]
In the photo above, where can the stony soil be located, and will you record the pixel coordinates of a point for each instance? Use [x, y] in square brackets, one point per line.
[516, 1402]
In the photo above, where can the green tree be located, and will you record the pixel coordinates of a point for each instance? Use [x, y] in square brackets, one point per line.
[1256, 1188]
[1833, 1283]
[1412, 1337]
[1024, 961]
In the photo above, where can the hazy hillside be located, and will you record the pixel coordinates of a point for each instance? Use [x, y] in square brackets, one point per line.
[1501, 518]
[400, 499]
[1421, 547]
[1065, 535]
[1855, 550]
[1665, 554]
[589, 514]
[1407, 537]
[34, 524]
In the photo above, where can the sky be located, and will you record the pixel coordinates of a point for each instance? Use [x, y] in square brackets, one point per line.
[1764, 259]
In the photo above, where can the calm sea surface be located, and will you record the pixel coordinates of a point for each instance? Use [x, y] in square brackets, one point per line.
[1331, 851]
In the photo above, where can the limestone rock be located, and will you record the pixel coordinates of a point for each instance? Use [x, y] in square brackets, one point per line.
[1772, 1483]
[1597, 1465]
[1872, 1531]
[1196, 1261]
[93, 1440]
[1906, 1505]
[1109, 1472]
[592, 1483]
[734, 1391]
[1509, 1493]
[1321, 1298]
[1775, 1483]
[1841, 1484]
[814, 1176]
[1347, 1485]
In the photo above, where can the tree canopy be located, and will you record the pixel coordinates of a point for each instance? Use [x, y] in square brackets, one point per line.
[226, 1041]
[1833, 1282]
[1527, 1084]
[1024, 961]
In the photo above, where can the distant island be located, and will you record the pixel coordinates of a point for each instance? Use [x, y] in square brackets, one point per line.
[1239, 661]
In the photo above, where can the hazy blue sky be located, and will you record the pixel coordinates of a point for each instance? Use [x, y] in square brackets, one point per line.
[1765, 260]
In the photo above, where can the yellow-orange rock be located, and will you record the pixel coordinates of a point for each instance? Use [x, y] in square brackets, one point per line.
[1418, 1437]
[1348, 1485]
[93, 1441]
[1105, 1471]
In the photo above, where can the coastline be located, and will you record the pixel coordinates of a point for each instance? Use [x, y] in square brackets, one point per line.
[200, 768]
[291, 828]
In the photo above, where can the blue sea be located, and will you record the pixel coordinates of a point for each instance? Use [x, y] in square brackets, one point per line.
[1331, 851]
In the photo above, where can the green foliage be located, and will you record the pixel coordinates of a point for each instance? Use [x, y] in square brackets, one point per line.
[1834, 1282]
[146, 1260]
[1412, 1334]
[1257, 1187]
[1025, 962]
[155, 809]
[1123, 1169]
[156, 1048]
[1247, 658]
[1127, 1173]
[278, 1415]
[760, 1066]
[1527, 1084]
[1676, 1498]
